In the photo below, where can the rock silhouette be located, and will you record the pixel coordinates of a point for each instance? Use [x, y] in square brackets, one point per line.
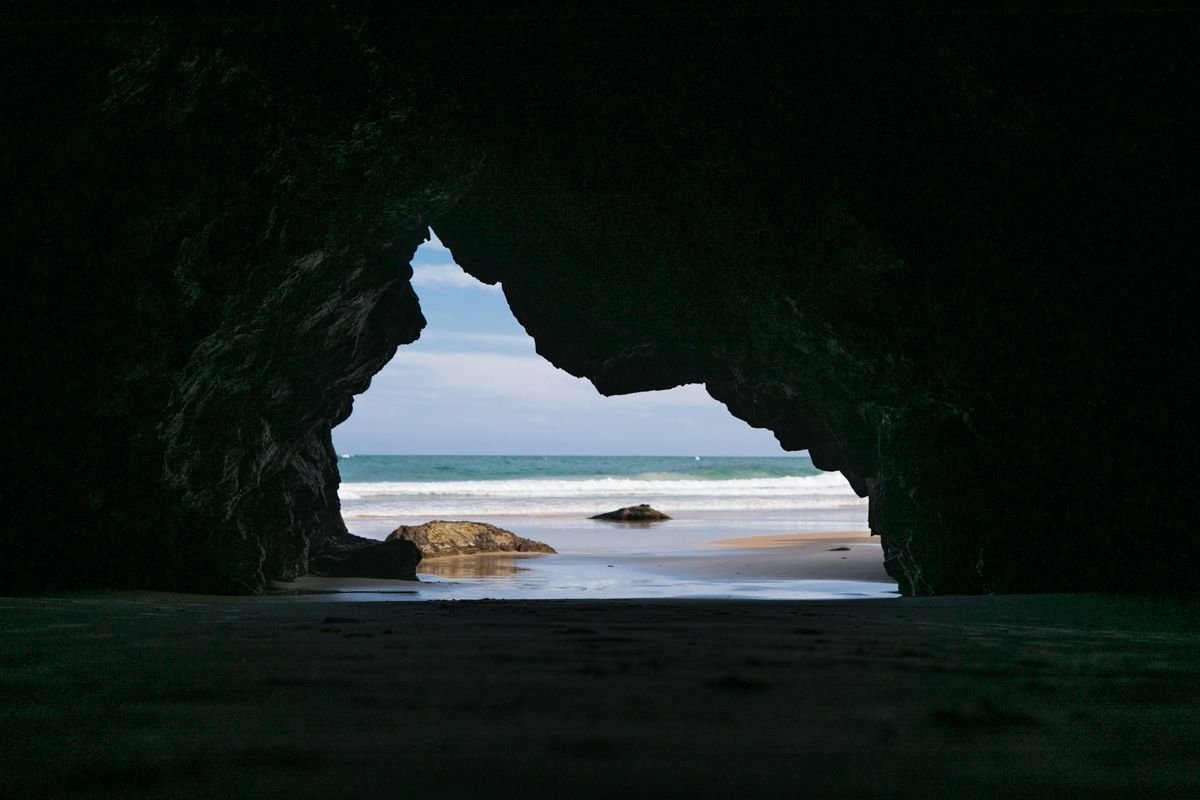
[638, 513]
[397, 560]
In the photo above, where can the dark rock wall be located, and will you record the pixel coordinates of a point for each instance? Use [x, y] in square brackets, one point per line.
[947, 253]
[212, 233]
[943, 252]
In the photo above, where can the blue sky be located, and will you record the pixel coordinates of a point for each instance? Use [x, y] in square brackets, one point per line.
[473, 385]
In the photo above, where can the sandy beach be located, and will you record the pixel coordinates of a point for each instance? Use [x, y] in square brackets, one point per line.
[772, 566]
[838, 555]
[982, 697]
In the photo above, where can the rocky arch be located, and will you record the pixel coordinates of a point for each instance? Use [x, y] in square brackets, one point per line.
[969, 232]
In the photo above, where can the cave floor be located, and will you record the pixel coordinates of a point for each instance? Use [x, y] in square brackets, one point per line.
[980, 697]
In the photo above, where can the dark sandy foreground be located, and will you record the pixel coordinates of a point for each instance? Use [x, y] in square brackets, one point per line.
[955, 697]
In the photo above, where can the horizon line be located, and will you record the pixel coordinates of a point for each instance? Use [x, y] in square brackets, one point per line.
[784, 454]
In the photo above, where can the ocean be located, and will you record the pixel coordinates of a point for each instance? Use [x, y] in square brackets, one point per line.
[394, 486]
[550, 498]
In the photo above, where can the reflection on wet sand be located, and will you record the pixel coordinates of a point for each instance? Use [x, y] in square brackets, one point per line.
[479, 565]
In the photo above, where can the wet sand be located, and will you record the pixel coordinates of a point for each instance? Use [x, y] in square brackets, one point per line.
[843, 556]
[977, 697]
[794, 541]
[776, 566]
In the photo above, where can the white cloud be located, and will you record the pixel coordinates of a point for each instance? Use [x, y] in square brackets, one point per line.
[524, 380]
[461, 402]
[490, 377]
[474, 339]
[447, 275]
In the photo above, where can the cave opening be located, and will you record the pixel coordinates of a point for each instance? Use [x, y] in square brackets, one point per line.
[469, 424]
[973, 231]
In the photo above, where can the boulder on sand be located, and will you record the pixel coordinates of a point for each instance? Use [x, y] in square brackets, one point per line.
[442, 538]
[395, 560]
[638, 513]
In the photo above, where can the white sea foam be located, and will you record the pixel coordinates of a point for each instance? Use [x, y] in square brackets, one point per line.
[590, 495]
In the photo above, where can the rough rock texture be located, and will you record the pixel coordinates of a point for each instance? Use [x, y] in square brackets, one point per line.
[214, 236]
[396, 559]
[947, 253]
[442, 538]
[638, 513]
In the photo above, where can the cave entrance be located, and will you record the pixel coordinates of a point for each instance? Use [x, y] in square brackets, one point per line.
[470, 424]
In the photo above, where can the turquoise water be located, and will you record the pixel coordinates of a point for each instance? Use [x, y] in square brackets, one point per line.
[435, 486]
[373, 468]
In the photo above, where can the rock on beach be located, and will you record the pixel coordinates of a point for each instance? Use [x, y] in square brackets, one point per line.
[638, 513]
[395, 560]
[442, 538]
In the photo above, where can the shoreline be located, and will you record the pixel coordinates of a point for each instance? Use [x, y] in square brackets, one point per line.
[827, 565]
[684, 529]
[770, 541]
[830, 556]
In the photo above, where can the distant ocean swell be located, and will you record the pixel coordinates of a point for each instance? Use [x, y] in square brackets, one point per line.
[674, 487]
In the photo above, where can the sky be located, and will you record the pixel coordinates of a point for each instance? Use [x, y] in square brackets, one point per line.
[473, 385]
